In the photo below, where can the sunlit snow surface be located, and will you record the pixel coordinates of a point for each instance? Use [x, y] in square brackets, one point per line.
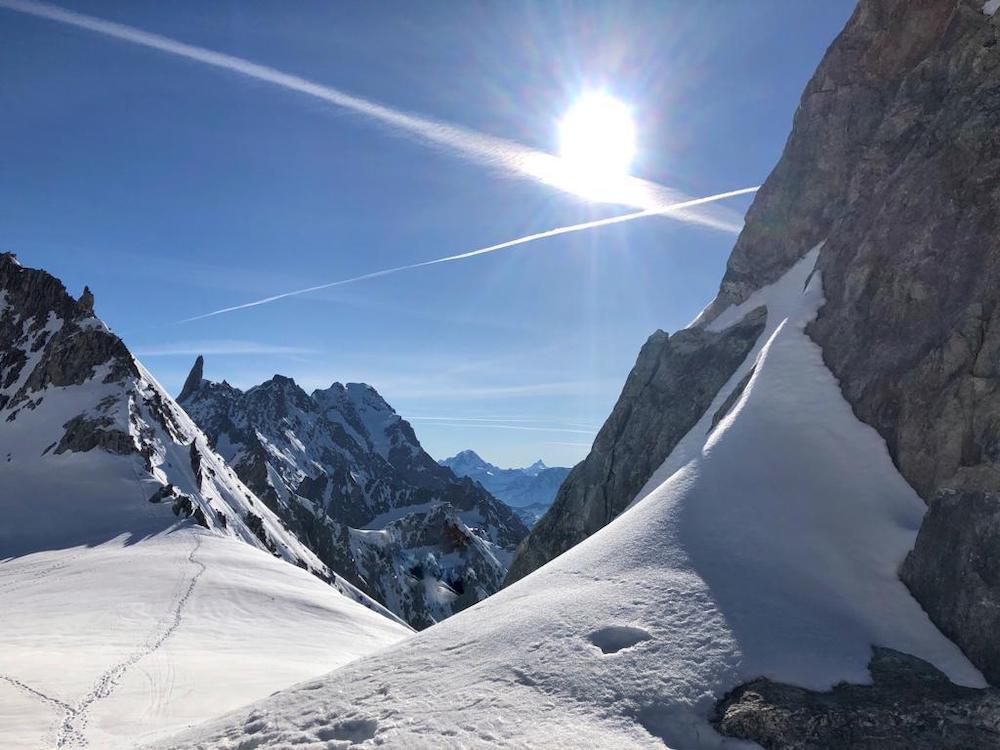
[769, 547]
[112, 645]
[120, 622]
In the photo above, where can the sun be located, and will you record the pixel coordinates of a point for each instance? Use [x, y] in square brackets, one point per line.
[597, 137]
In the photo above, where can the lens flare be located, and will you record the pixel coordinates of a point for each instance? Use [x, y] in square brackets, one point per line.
[597, 136]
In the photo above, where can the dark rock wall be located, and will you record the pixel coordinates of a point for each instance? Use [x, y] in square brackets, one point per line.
[954, 569]
[70, 354]
[911, 272]
[894, 161]
[910, 706]
[911, 326]
[842, 107]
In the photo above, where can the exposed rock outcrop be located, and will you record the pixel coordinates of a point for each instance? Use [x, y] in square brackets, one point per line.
[48, 339]
[84, 434]
[672, 384]
[910, 706]
[913, 265]
[842, 108]
[954, 571]
[194, 378]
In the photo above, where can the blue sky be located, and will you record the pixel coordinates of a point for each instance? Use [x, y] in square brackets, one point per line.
[173, 188]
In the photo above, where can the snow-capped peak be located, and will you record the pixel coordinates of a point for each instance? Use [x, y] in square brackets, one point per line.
[536, 468]
[346, 472]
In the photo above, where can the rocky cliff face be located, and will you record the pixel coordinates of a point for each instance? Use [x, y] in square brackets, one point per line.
[349, 477]
[892, 164]
[954, 569]
[672, 384]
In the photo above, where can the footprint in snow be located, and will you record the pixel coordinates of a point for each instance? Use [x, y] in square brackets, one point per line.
[613, 638]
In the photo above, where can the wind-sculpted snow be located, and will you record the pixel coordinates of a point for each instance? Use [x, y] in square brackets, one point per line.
[745, 556]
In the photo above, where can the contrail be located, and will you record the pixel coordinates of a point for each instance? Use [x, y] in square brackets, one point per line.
[484, 250]
[507, 156]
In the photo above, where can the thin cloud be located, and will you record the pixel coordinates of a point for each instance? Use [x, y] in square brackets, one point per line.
[219, 348]
[498, 153]
[526, 423]
[481, 251]
[460, 392]
[525, 428]
[498, 419]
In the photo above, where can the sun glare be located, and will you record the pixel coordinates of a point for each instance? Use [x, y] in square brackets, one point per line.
[597, 137]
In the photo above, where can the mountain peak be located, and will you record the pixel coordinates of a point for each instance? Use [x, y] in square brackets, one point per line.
[468, 463]
[345, 451]
[367, 394]
[281, 385]
[86, 301]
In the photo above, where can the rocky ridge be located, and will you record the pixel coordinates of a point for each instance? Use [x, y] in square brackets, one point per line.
[81, 415]
[349, 477]
[891, 163]
[904, 191]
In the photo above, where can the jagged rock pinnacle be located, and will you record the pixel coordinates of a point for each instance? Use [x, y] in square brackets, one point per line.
[86, 301]
[194, 378]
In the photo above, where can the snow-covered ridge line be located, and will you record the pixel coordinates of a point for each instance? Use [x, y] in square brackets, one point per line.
[768, 546]
[780, 299]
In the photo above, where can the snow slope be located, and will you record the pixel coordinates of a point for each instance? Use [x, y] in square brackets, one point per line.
[143, 587]
[111, 645]
[768, 546]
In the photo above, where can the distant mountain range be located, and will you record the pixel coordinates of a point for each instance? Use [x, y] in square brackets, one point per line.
[529, 490]
[348, 476]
